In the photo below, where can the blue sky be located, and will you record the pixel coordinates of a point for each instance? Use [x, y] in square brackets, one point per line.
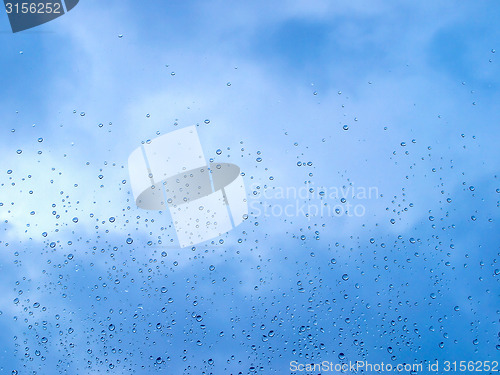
[417, 86]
